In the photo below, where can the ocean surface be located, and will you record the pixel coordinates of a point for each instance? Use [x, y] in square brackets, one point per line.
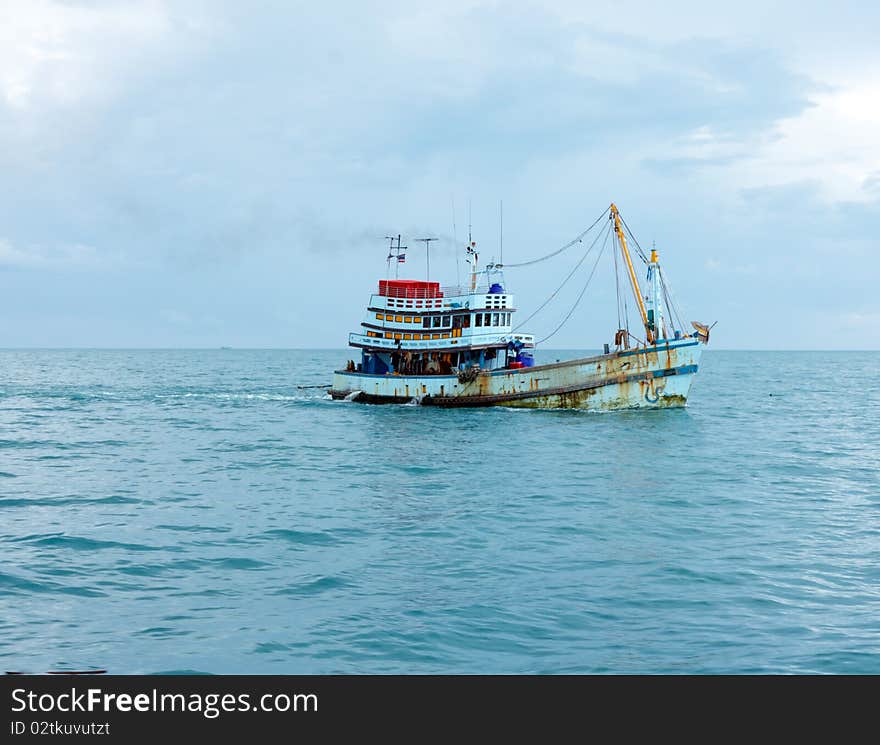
[174, 511]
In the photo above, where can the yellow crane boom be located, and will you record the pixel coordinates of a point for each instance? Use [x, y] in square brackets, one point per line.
[621, 238]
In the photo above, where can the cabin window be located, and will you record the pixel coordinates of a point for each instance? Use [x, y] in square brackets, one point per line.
[478, 319]
[387, 334]
[494, 319]
[488, 319]
[407, 336]
[398, 336]
[456, 321]
[466, 321]
[447, 321]
[407, 319]
[398, 319]
[417, 319]
[446, 335]
[380, 316]
[435, 336]
[437, 322]
[426, 323]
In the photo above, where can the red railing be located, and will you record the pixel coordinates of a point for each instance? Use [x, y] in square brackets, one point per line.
[421, 290]
[409, 288]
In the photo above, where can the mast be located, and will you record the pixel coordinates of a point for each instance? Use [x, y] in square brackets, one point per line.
[475, 257]
[618, 229]
[390, 249]
[655, 315]
[472, 252]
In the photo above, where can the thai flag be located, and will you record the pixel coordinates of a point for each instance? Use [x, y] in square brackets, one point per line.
[401, 258]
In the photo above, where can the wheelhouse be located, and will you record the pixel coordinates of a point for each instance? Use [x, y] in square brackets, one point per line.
[414, 327]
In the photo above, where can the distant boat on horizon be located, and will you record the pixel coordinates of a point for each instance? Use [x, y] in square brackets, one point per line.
[457, 346]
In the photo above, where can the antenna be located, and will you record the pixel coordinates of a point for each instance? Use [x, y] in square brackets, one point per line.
[427, 242]
[455, 239]
[470, 239]
[389, 238]
[501, 230]
[398, 251]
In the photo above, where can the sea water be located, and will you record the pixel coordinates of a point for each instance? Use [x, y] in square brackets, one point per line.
[171, 511]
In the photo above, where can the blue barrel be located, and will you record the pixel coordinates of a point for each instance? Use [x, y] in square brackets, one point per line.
[496, 289]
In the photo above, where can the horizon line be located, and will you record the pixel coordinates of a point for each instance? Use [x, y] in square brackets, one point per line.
[346, 349]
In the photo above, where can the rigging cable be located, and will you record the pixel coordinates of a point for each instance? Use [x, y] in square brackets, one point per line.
[558, 251]
[617, 289]
[626, 313]
[639, 250]
[622, 306]
[670, 301]
[577, 302]
[564, 281]
[664, 291]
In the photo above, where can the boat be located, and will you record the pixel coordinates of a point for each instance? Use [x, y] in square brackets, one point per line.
[459, 346]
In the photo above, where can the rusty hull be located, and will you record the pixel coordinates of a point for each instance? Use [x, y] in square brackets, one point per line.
[654, 377]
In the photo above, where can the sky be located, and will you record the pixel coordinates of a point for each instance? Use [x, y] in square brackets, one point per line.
[209, 173]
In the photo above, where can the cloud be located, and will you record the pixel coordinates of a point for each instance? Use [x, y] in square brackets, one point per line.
[833, 143]
[66, 53]
[56, 257]
[249, 158]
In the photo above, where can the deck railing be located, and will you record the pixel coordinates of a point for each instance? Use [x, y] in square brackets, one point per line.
[425, 293]
[458, 290]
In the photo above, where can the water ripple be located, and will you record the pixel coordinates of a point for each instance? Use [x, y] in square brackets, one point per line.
[228, 522]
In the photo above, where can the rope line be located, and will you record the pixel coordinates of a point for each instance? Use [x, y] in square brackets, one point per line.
[639, 250]
[565, 281]
[558, 251]
[617, 290]
[583, 291]
[671, 305]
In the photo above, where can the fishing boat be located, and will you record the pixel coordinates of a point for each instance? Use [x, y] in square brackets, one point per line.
[424, 343]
